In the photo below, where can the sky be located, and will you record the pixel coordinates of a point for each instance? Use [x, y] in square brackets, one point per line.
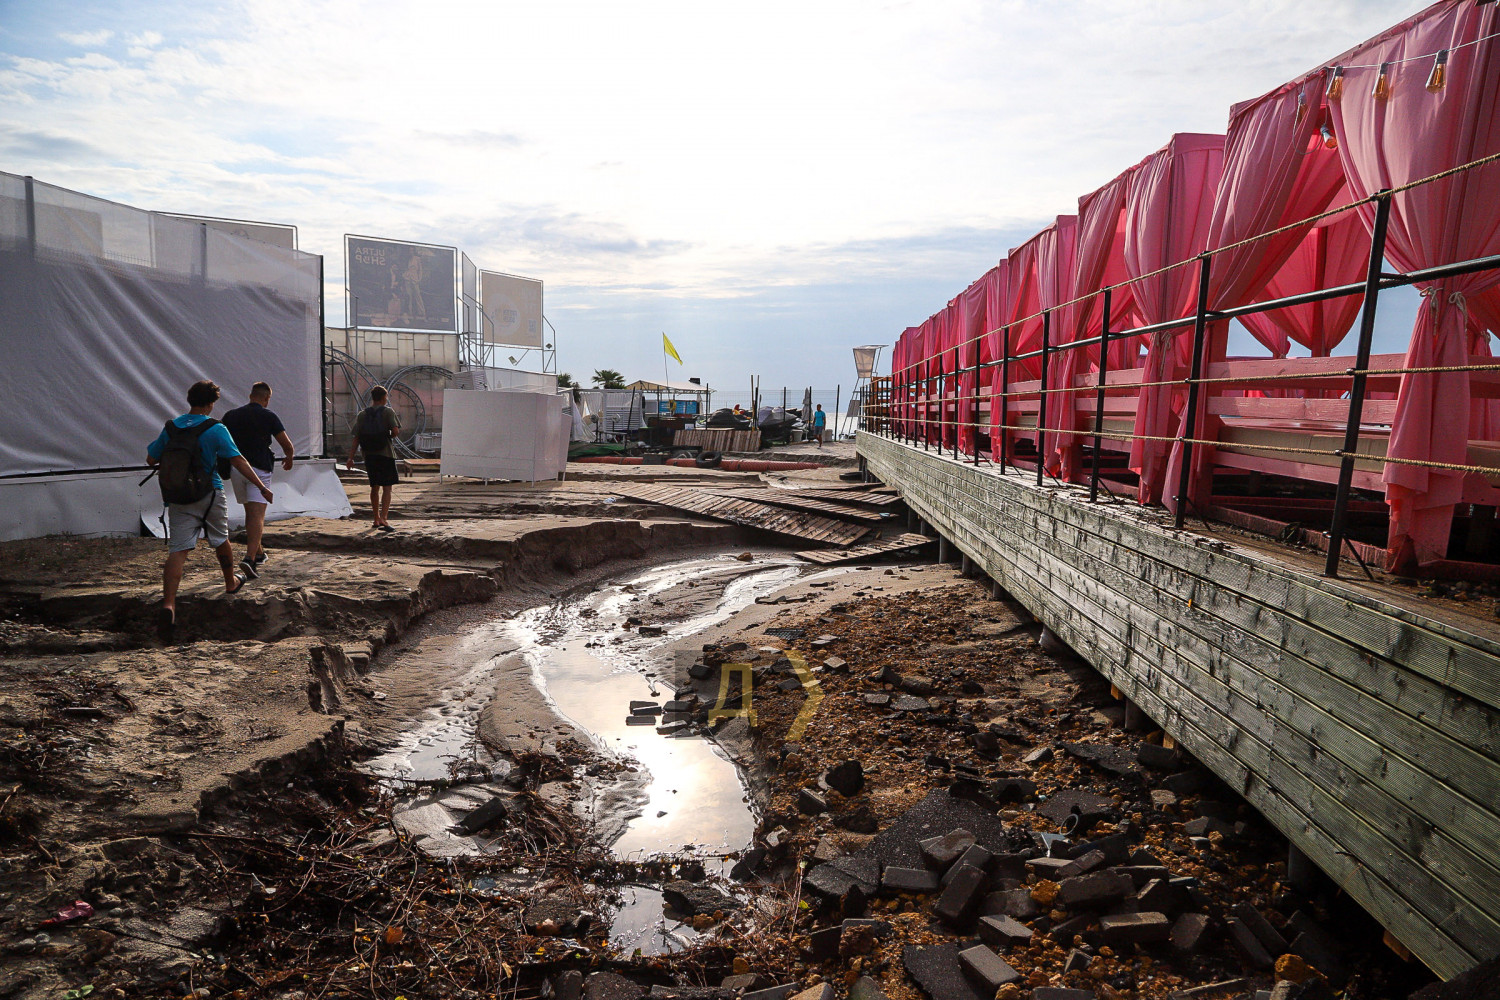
[770, 184]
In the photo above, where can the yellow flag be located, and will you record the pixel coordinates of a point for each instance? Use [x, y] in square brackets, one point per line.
[666, 345]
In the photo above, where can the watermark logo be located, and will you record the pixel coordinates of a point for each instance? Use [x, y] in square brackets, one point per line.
[728, 672]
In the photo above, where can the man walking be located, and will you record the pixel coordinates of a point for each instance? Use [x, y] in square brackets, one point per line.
[820, 421]
[376, 425]
[253, 426]
[186, 456]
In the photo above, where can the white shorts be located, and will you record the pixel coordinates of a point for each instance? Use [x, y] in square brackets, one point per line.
[245, 491]
[185, 520]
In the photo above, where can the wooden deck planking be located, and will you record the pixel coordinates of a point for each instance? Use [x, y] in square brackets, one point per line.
[800, 501]
[807, 527]
[1288, 686]
[869, 550]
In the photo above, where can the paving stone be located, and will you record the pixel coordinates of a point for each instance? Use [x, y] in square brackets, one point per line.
[987, 968]
[1011, 866]
[917, 684]
[828, 849]
[1164, 896]
[678, 705]
[644, 708]
[1204, 825]
[915, 880]
[940, 852]
[1038, 756]
[835, 663]
[975, 857]
[910, 703]
[1162, 799]
[810, 802]
[743, 982]
[865, 988]
[640, 720]
[1141, 874]
[1058, 807]
[824, 942]
[1134, 928]
[1190, 933]
[937, 971]
[1013, 790]
[1106, 757]
[1159, 758]
[1144, 858]
[1003, 931]
[1095, 891]
[1064, 933]
[486, 815]
[1055, 869]
[685, 897]
[700, 671]
[1077, 961]
[1089, 861]
[834, 879]
[1011, 903]
[961, 897]
[568, 985]
[876, 699]
[1269, 937]
[1248, 945]
[1061, 993]
[789, 684]
[1189, 782]
[772, 993]
[846, 778]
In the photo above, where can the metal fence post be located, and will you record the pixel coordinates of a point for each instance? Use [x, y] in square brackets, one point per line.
[974, 408]
[1041, 406]
[1099, 397]
[957, 401]
[31, 218]
[1004, 401]
[1338, 527]
[1190, 416]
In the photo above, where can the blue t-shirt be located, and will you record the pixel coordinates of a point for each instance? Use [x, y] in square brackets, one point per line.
[820, 419]
[214, 443]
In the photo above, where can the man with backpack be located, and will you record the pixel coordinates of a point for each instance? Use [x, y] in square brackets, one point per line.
[186, 458]
[253, 427]
[376, 425]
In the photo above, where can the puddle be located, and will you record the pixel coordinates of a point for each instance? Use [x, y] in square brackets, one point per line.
[679, 795]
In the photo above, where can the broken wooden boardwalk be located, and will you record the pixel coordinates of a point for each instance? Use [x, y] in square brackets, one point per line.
[805, 502]
[794, 524]
[869, 550]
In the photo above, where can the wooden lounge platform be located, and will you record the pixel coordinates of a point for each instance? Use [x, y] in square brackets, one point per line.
[1361, 721]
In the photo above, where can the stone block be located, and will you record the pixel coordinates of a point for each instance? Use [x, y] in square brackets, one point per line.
[1134, 928]
[1003, 932]
[1163, 895]
[987, 968]
[940, 852]
[961, 897]
[1095, 891]
[1011, 903]
[1248, 945]
[1190, 933]
[913, 880]
[975, 857]
[1061, 993]
[1269, 937]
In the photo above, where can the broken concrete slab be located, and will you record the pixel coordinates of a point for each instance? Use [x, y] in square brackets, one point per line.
[937, 971]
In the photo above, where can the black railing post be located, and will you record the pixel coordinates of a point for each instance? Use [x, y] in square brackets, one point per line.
[1099, 397]
[957, 400]
[30, 218]
[1338, 527]
[1041, 405]
[1190, 416]
[1004, 400]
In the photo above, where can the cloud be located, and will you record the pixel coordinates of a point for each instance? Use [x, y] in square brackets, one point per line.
[475, 139]
[87, 39]
[24, 145]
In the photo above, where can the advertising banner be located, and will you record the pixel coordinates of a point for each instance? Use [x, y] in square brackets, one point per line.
[400, 286]
[266, 232]
[512, 309]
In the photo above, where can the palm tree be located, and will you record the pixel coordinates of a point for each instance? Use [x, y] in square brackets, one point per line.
[608, 378]
[565, 381]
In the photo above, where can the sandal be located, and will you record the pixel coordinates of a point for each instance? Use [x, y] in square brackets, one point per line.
[384, 527]
[248, 565]
[239, 584]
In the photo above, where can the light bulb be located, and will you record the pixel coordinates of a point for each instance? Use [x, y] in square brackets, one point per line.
[1382, 88]
[1335, 84]
[1439, 74]
[1301, 109]
[1330, 141]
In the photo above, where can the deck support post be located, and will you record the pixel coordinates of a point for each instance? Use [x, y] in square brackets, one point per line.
[942, 549]
[1339, 525]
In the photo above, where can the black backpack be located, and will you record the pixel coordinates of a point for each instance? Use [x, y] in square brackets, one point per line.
[372, 432]
[182, 474]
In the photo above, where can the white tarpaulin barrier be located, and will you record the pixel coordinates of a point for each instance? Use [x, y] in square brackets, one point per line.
[114, 503]
[107, 315]
[505, 435]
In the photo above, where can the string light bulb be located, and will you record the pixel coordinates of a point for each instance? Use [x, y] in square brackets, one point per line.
[1335, 84]
[1301, 109]
[1382, 88]
[1330, 141]
[1439, 75]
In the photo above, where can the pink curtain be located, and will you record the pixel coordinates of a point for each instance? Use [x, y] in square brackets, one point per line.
[1168, 211]
[1396, 131]
[1056, 271]
[973, 304]
[1023, 306]
[949, 368]
[1335, 252]
[1099, 261]
[997, 305]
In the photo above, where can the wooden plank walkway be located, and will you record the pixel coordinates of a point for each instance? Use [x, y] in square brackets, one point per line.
[1364, 726]
[793, 524]
[879, 500]
[903, 542]
[717, 439]
[801, 501]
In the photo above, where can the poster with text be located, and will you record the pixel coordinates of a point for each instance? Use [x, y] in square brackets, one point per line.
[512, 309]
[401, 286]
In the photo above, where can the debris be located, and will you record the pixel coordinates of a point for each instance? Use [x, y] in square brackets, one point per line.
[846, 778]
[811, 802]
[691, 900]
[80, 910]
[988, 968]
[485, 816]
[1134, 928]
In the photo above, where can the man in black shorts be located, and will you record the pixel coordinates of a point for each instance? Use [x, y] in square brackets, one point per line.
[253, 427]
[373, 430]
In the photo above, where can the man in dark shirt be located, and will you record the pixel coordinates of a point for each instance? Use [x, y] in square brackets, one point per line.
[253, 426]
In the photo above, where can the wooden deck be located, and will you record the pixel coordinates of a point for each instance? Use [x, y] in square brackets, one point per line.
[1363, 724]
[790, 523]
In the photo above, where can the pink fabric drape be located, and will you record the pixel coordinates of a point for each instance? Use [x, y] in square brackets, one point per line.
[1099, 261]
[997, 304]
[1334, 253]
[1023, 305]
[948, 365]
[1402, 134]
[973, 311]
[1168, 211]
